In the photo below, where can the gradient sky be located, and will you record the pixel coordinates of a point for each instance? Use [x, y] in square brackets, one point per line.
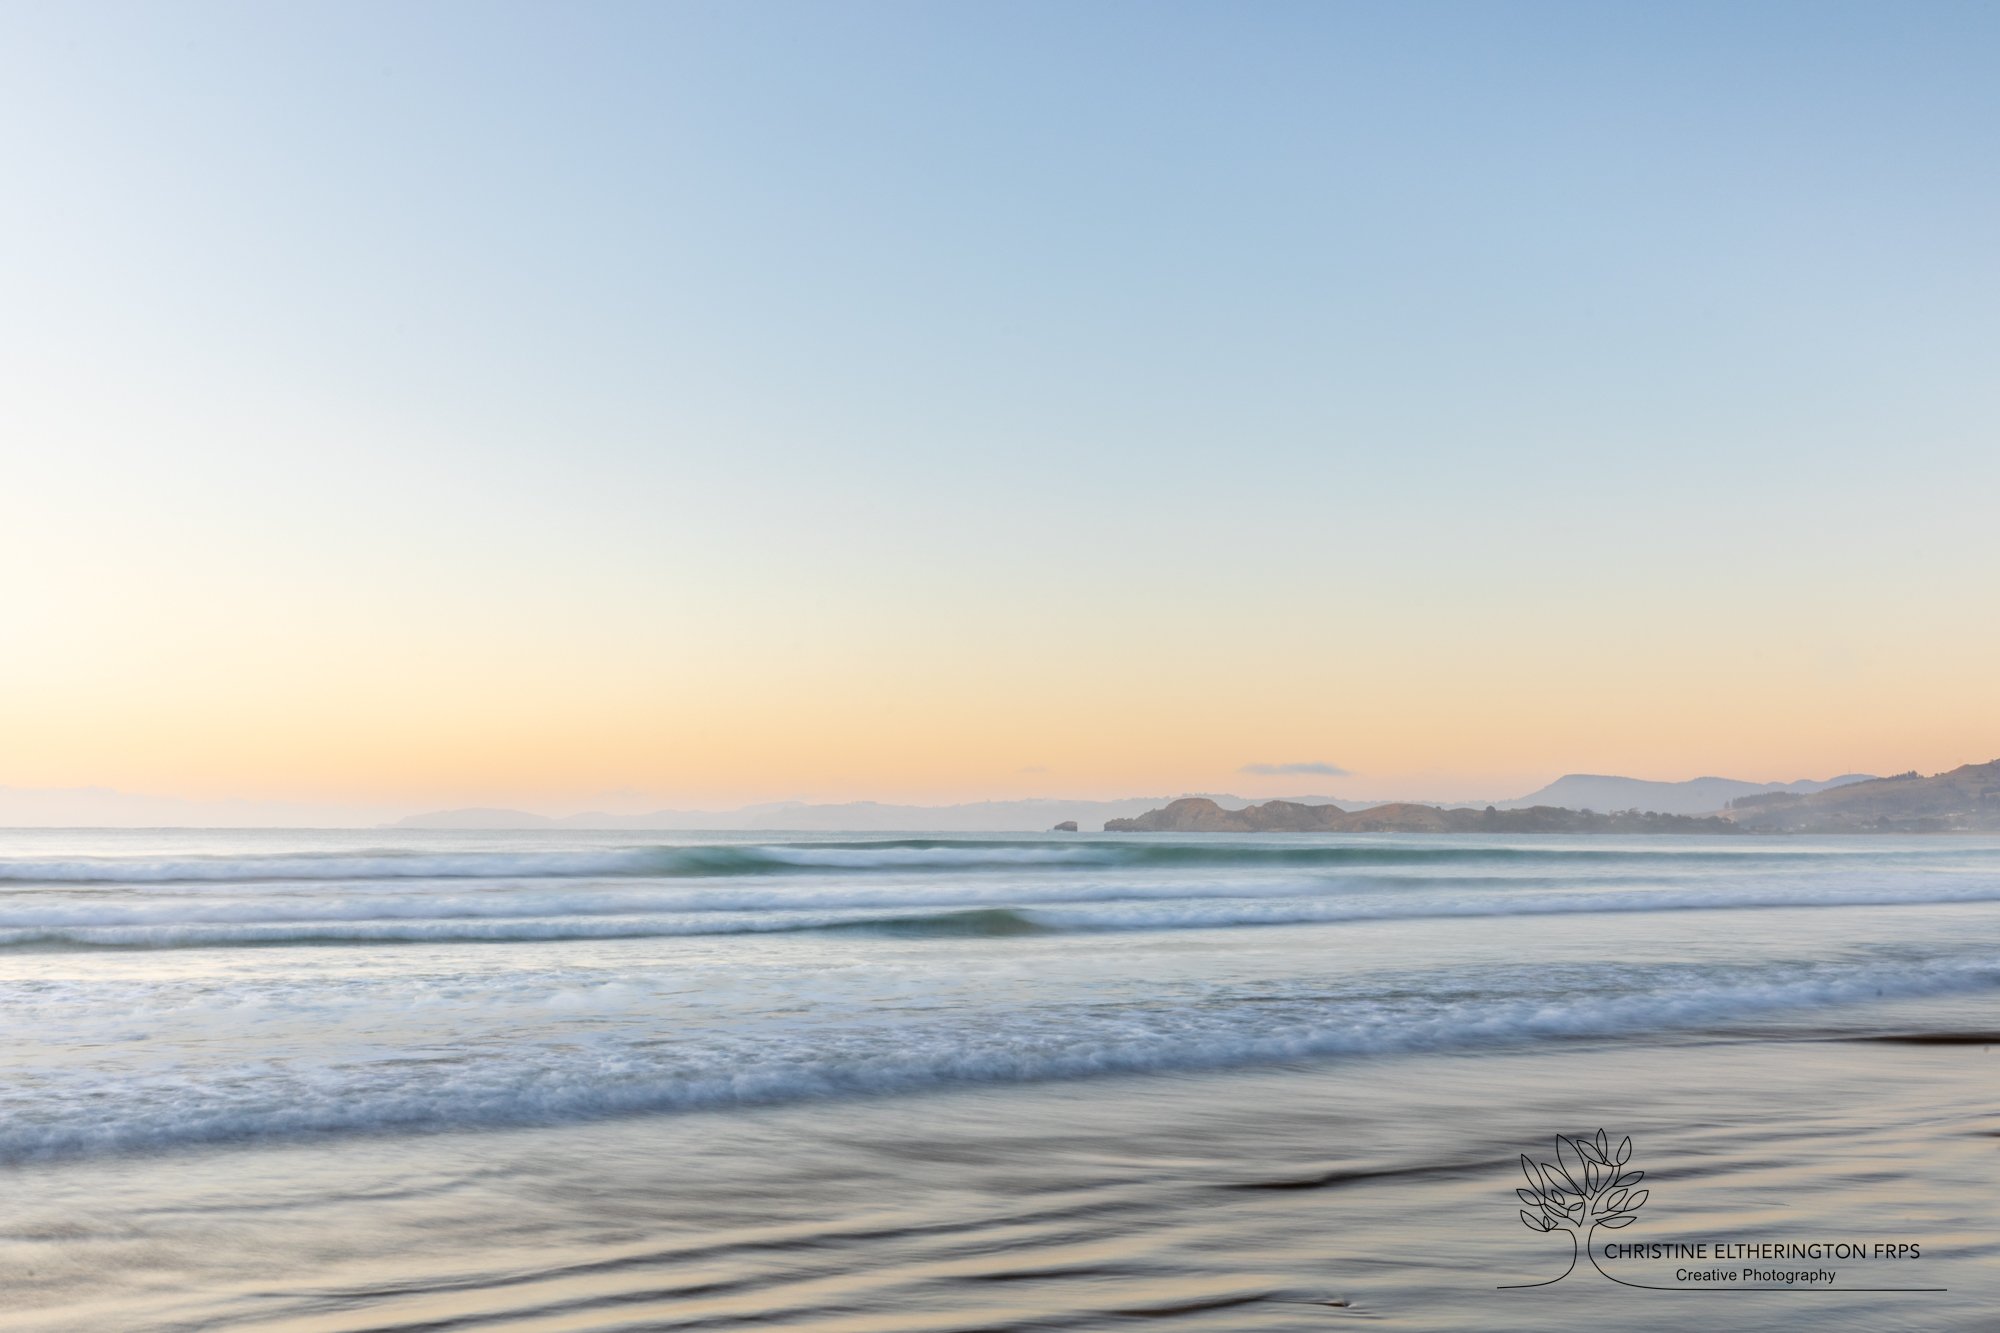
[722, 402]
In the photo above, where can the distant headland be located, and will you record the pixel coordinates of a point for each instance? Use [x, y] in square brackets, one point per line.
[1964, 800]
[1198, 814]
[1574, 792]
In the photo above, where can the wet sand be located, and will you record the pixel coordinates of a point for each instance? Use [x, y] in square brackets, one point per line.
[1375, 1191]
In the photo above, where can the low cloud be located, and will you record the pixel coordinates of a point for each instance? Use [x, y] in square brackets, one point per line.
[1315, 768]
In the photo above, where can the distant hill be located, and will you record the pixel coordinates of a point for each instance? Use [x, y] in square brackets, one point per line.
[1196, 815]
[1577, 791]
[1696, 796]
[1029, 816]
[1964, 800]
[477, 817]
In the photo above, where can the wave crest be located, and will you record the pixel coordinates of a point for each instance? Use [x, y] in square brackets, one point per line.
[912, 854]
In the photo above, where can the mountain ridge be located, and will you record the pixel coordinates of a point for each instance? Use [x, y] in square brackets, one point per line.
[1574, 791]
[1032, 815]
[1196, 815]
[98, 807]
[1965, 799]
[1694, 796]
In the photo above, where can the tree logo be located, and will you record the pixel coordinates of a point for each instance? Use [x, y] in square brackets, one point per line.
[1585, 1188]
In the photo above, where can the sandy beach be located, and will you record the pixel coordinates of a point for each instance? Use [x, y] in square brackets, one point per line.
[1379, 1193]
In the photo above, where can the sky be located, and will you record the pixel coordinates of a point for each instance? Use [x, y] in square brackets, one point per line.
[693, 404]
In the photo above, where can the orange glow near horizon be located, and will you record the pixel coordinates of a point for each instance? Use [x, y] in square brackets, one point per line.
[416, 715]
[737, 434]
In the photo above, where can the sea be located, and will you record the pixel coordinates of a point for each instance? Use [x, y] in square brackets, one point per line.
[338, 1080]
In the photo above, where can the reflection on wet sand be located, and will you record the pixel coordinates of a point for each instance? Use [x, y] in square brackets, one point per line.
[1279, 1199]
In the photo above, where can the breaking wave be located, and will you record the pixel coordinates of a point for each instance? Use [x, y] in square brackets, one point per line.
[788, 1067]
[915, 854]
[944, 910]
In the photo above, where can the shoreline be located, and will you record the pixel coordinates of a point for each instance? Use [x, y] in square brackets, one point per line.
[1229, 1200]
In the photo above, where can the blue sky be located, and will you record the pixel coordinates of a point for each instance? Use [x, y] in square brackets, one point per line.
[624, 380]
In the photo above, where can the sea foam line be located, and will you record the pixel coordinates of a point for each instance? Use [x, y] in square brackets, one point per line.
[477, 1095]
[903, 855]
[366, 921]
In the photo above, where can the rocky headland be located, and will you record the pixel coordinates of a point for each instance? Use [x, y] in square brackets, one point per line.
[1963, 800]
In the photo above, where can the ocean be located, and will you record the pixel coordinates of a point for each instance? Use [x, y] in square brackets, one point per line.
[395, 1080]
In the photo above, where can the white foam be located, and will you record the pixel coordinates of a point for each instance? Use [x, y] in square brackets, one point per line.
[40, 918]
[783, 1060]
[709, 859]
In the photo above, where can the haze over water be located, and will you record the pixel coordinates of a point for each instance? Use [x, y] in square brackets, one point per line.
[370, 1080]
